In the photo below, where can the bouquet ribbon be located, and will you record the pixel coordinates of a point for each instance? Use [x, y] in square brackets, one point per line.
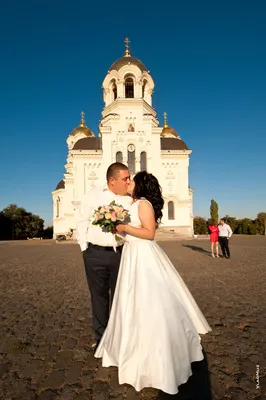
[114, 243]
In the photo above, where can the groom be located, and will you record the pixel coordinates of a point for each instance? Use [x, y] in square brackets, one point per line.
[100, 260]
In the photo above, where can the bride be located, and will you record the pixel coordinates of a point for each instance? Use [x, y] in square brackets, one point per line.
[153, 330]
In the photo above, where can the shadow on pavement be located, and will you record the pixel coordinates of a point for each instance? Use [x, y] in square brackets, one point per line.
[196, 248]
[198, 387]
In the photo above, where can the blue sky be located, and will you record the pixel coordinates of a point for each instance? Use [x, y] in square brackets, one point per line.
[208, 61]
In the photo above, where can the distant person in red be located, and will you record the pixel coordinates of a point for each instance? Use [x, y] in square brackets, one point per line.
[214, 235]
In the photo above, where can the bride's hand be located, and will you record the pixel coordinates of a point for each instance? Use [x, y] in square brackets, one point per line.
[120, 228]
[113, 230]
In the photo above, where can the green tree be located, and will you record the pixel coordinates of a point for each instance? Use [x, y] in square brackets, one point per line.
[252, 228]
[244, 224]
[5, 227]
[200, 226]
[48, 232]
[261, 218]
[24, 224]
[232, 221]
[214, 211]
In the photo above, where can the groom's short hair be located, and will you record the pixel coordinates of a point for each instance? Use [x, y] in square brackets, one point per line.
[114, 169]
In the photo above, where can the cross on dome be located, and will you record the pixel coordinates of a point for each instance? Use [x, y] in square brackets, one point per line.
[127, 51]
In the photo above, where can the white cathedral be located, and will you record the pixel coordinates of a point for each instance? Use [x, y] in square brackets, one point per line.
[129, 132]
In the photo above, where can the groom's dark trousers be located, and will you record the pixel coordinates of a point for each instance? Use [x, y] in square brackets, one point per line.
[101, 265]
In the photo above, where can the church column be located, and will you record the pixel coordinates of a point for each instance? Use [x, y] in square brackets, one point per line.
[138, 164]
[149, 97]
[120, 88]
[124, 159]
[138, 89]
[107, 99]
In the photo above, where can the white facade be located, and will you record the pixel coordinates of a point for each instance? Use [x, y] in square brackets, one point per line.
[128, 132]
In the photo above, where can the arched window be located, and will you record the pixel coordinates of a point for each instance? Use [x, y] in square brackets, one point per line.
[171, 210]
[57, 207]
[131, 161]
[129, 88]
[119, 157]
[143, 161]
[114, 91]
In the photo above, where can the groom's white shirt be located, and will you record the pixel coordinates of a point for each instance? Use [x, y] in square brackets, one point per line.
[85, 231]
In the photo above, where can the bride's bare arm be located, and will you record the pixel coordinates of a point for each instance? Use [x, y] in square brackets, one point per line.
[146, 216]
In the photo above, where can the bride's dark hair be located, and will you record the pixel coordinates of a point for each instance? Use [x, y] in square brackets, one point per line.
[146, 185]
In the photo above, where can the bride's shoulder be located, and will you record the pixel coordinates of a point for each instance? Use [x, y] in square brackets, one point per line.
[138, 201]
[143, 202]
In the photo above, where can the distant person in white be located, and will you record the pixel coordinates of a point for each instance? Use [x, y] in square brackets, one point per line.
[100, 260]
[225, 232]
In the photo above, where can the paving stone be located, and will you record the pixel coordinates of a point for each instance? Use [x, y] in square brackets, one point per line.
[115, 388]
[87, 380]
[42, 351]
[4, 368]
[31, 368]
[84, 341]
[52, 353]
[8, 345]
[74, 372]
[68, 393]
[39, 375]
[18, 387]
[149, 393]
[70, 343]
[55, 380]
[102, 374]
[51, 337]
[24, 359]
[28, 395]
[64, 359]
[131, 393]
[100, 391]
[48, 395]
[85, 395]
[80, 354]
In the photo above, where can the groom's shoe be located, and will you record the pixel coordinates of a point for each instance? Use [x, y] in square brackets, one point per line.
[95, 346]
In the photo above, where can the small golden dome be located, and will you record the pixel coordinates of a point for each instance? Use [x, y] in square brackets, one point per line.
[82, 128]
[168, 131]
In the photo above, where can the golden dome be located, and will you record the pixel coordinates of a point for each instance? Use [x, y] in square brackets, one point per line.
[127, 59]
[82, 128]
[168, 131]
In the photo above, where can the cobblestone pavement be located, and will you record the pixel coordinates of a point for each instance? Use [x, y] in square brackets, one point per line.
[45, 348]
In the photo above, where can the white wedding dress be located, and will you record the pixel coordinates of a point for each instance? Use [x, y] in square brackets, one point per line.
[153, 330]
